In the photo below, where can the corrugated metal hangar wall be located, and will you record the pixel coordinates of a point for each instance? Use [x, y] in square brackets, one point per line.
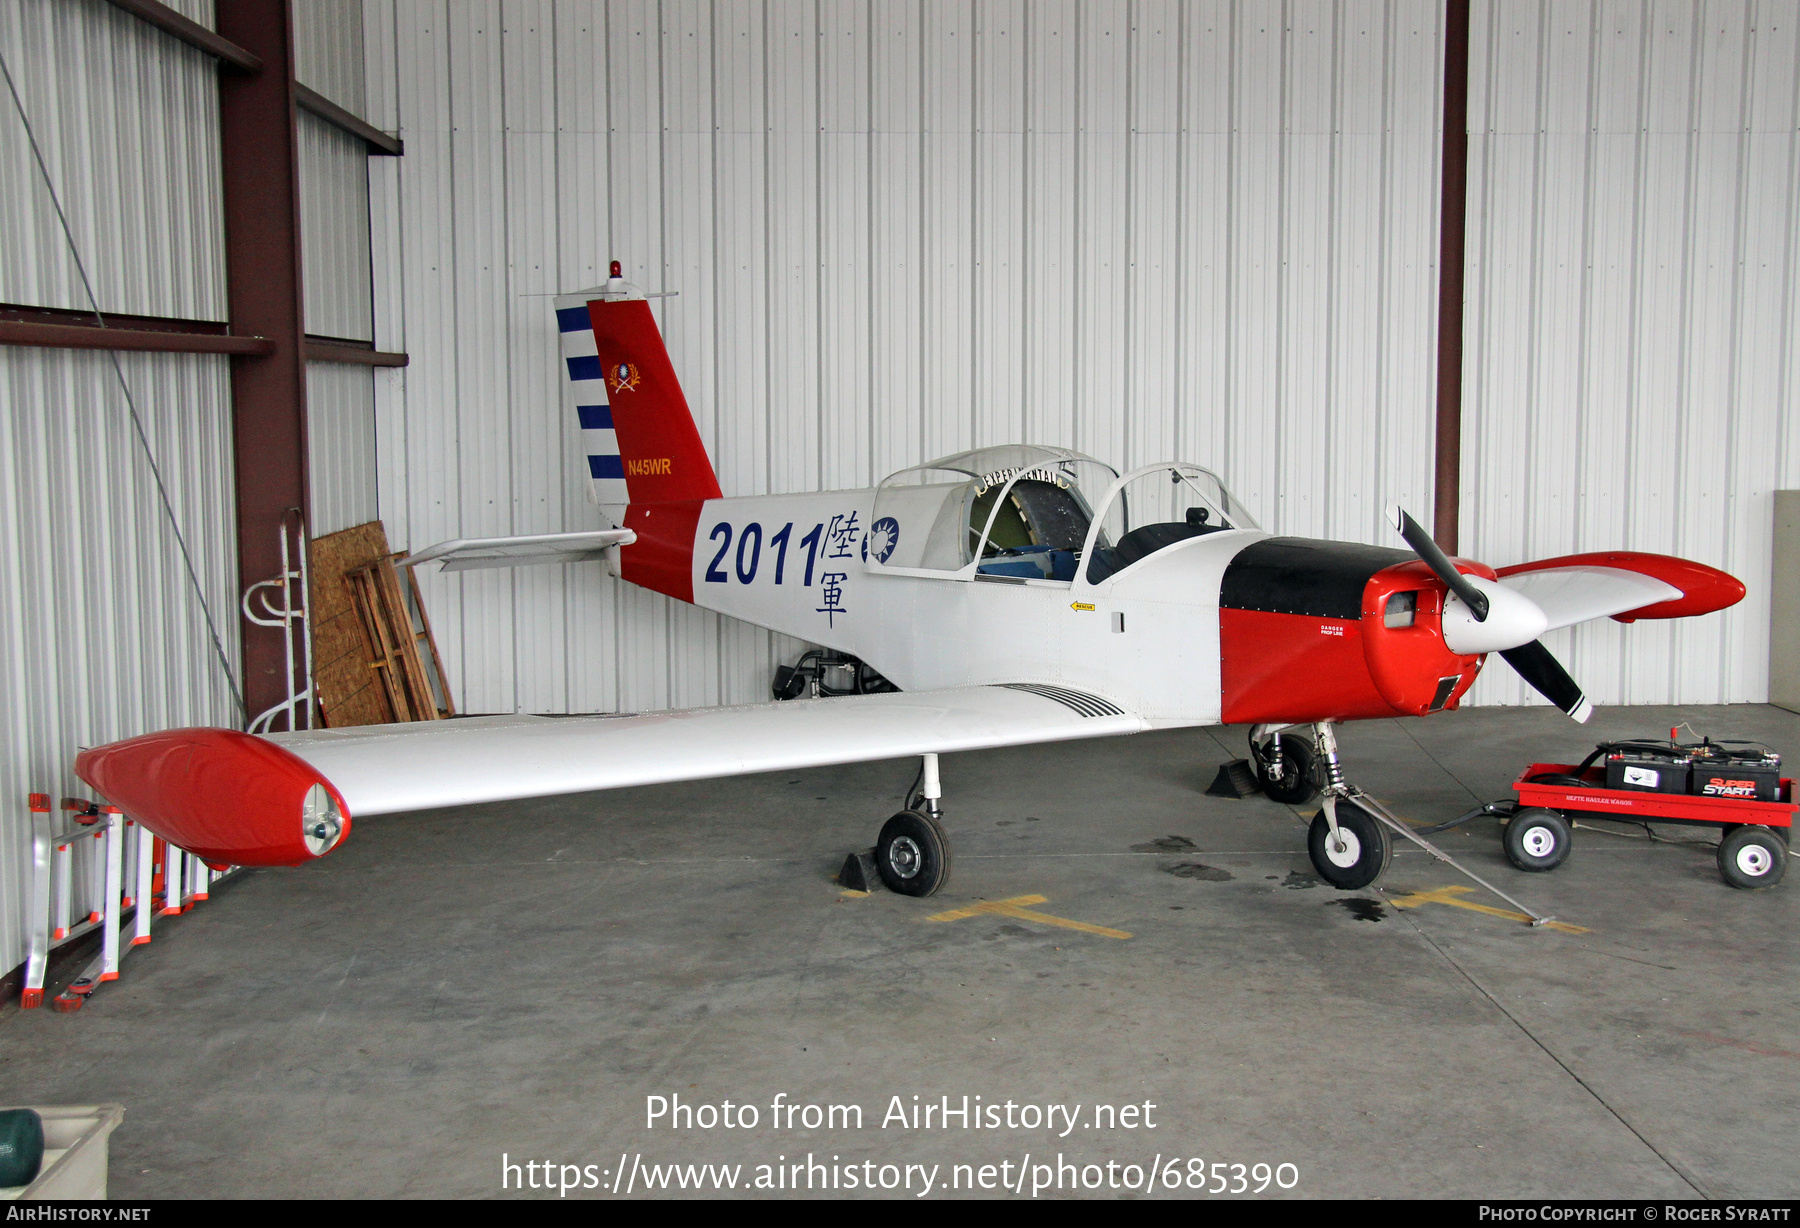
[1631, 330]
[897, 231]
[1142, 230]
[103, 635]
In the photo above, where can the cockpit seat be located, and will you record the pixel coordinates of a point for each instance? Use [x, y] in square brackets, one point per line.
[1143, 542]
[1030, 563]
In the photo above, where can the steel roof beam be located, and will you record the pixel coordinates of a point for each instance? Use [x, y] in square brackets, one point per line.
[380, 143]
[192, 33]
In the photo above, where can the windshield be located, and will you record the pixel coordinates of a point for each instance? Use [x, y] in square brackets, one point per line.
[988, 512]
[1156, 507]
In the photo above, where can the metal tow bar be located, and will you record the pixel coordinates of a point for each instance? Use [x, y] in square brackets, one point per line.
[1386, 816]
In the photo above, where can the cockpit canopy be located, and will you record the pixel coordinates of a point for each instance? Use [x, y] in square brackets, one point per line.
[1023, 512]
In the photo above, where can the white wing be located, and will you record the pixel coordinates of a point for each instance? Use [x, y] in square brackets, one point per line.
[1570, 595]
[382, 769]
[468, 553]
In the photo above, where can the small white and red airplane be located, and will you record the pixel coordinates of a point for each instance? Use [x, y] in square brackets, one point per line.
[1014, 595]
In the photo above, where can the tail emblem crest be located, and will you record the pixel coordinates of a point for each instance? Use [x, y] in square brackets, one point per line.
[624, 377]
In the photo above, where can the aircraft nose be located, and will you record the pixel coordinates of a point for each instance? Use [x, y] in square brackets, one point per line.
[1513, 619]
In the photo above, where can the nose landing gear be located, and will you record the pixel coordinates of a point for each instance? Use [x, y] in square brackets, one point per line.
[1349, 841]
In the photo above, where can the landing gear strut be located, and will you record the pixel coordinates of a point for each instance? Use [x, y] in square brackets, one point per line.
[1349, 842]
[912, 854]
[1287, 766]
[1348, 845]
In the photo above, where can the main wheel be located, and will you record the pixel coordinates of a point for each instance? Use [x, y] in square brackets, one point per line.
[913, 854]
[1751, 856]
[1363, 853]
[1302, 776]
[1537, 839]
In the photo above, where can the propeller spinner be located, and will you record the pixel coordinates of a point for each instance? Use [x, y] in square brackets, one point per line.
[1482, 615]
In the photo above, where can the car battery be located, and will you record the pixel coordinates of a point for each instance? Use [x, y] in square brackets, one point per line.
[1642, 772]
[1747, 777]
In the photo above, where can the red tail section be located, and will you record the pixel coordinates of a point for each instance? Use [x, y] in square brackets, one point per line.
[666, 469]
[659, 445]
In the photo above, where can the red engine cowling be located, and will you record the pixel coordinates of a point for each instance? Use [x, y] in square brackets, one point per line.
[1409, 664]
[1303, 635]
[227, 797]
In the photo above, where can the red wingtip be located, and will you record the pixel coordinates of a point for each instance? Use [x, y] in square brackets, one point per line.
[224, 796]
[1703, 589]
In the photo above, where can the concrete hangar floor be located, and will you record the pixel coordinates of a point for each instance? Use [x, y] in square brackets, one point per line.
[519, 980]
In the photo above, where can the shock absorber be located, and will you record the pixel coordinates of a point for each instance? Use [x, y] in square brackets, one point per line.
[1326, 741]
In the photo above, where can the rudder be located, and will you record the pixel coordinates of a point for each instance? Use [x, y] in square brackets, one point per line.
[638, 434]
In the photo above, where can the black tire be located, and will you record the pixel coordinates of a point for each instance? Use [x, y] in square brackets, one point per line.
[913, 854]
[1751, 857]
[1366, 853]
[1302, 775]
[1537, 839]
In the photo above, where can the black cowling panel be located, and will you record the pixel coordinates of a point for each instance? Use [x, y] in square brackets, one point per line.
[1298, 575]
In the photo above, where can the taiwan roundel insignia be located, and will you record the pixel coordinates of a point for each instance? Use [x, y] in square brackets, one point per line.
[883, 536]
[624, 377]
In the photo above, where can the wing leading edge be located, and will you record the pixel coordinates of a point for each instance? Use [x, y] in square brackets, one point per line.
[385, 769]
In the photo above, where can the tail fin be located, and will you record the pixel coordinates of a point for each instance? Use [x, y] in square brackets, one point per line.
[636, 428]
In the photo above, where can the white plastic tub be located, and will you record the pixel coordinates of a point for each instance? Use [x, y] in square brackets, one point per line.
[75, 1151]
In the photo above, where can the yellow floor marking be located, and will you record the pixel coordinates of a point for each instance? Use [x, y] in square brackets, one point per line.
[853, 893]
[1449, 895]
[1015, 908]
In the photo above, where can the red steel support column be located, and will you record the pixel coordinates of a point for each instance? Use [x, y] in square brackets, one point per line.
[262, 263]
[1453, 221]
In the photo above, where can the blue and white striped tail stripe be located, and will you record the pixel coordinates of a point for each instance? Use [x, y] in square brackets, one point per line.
[606, 467]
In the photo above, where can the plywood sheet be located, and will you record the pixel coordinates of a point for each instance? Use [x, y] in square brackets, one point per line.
[348, 689]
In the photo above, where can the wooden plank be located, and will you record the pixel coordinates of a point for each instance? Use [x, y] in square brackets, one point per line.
[348, 690]
[447, 705]
[388, 622]
[384, 660]
[424, 703]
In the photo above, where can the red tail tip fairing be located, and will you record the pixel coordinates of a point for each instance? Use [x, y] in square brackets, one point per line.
[227, 797]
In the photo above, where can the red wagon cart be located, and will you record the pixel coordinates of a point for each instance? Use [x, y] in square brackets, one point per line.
[1753, 844]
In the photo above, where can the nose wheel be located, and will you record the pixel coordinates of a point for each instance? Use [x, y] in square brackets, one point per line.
[1350, 843]
[1352, 852]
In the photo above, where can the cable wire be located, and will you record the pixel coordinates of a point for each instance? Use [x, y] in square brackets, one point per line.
[137, 422]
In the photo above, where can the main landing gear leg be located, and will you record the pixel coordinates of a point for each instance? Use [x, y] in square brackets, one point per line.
[913, 853]
[1349, 843]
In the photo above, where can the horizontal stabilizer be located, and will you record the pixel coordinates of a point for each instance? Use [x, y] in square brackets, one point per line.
[469, 553]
